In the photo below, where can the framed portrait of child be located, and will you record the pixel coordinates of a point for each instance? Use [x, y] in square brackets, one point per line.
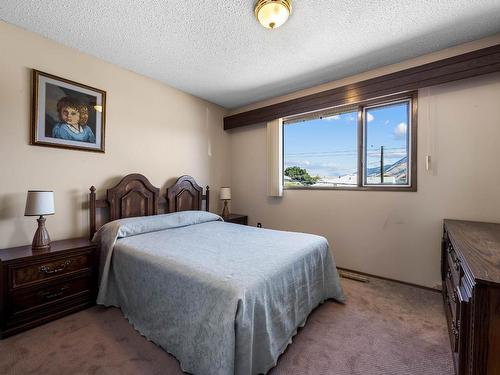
[67, 114]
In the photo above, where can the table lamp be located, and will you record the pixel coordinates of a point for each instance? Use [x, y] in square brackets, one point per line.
[40, 203]
[225, 195]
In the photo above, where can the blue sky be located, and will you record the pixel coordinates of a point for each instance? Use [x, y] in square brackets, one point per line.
[328, 146]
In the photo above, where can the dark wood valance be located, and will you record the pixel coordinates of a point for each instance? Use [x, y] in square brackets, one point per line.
[483, 61]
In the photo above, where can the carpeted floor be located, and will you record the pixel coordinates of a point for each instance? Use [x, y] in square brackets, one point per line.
[385, 328]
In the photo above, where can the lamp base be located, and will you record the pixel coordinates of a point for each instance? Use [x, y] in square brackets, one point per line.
[225, 212]
[41, 239]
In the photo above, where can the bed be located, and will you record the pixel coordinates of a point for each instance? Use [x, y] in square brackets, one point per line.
[222, 298]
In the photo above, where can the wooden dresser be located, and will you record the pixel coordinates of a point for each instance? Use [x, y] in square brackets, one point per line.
[39, 287]
[470, 269]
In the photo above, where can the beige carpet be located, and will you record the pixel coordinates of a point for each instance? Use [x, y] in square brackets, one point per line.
[385, 328]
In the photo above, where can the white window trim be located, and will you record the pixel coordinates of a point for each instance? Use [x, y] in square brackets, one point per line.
[275, 158]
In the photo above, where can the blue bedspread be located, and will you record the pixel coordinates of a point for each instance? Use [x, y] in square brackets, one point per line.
[222, 298]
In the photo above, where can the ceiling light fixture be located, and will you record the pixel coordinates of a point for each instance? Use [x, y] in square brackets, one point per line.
[273, 13]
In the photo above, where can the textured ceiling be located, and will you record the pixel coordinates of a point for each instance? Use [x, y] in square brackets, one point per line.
[215, 49]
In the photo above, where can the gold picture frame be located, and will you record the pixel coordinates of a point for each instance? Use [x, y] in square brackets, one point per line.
[67, 114]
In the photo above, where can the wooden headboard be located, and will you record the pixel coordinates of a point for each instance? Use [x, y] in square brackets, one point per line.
[185, 195]
[135, 196]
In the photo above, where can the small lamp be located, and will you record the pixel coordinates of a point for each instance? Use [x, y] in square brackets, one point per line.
[225, 195]
[40, 203]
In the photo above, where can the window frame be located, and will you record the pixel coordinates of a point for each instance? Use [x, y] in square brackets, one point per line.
[412, 97]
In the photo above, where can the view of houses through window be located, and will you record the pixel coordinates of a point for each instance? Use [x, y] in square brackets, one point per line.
[323, 150]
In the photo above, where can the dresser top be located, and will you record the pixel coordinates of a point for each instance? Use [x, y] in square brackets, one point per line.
[55, 247]
[479, 244]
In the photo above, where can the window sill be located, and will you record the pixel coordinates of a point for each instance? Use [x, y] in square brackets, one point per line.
[356, 188]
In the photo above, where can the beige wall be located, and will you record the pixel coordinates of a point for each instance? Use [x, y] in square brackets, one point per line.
[151, 128]
[163, 133]
[391, 234]
[439, 55]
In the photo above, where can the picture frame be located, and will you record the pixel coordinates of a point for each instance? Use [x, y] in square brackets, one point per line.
[67, 114]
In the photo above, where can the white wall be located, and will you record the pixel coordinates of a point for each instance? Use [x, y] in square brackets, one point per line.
[151, 129]
[392, 234]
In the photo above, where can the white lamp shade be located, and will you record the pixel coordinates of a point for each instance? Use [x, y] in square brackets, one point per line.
[39, 203]
[225, 193]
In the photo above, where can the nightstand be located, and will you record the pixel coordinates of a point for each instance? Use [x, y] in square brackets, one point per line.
[237, 219]
[37, 287]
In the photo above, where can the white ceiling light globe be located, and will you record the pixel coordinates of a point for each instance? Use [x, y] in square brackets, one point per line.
[273, 13]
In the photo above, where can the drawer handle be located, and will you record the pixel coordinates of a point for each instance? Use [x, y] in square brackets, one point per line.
[455, 328]
[450, 248]
[48, 270]
[454, 257]
[52, 295]
[456, 261]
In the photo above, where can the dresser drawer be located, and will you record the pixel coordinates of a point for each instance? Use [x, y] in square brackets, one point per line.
[39, 298]
[454, 264]
[452, 322]
[452, 296]
[35, 272]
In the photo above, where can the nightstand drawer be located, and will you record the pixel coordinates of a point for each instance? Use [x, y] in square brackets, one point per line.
[43, 270]
[242, 221]
[237, 219]
[24, 302]
[37, 287]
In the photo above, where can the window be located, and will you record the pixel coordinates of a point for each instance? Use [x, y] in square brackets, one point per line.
[321, 150]
[370, 146]
[386, 144]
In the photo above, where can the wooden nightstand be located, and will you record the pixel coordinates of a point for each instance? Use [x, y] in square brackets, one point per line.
[36, 288]
[237, 219]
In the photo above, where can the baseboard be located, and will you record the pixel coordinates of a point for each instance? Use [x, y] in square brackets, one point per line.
[388, 279]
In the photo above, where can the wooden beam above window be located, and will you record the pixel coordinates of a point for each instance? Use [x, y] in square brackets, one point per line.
[483, 61]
